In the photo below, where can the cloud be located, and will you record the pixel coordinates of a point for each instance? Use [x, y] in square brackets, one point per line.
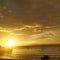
[46, 37]
[29, 12]
[25, 28]
[33, 28]
[2, 29]
[47, 34]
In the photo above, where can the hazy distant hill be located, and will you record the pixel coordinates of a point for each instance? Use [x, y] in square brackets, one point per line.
[35, 46]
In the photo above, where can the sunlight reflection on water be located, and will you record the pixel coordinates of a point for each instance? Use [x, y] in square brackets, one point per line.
[35, 53]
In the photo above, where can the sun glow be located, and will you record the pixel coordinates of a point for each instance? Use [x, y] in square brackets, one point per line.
[10, 43]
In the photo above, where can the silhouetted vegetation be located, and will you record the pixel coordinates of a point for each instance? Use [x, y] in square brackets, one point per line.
[46, 57]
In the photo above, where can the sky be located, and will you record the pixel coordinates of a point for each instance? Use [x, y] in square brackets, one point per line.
[30, 21]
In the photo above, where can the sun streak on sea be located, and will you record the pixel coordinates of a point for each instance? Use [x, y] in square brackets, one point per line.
[35, 53]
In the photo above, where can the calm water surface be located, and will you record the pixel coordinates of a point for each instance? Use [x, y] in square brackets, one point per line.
[35, 53]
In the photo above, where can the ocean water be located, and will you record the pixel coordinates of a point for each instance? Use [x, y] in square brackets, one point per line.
[36, 52]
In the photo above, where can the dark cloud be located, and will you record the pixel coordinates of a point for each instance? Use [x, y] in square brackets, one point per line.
[17, 12]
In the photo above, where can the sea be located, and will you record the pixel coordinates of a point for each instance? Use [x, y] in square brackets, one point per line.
[36, 52]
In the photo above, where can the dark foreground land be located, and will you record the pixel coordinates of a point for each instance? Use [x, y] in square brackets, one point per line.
[30, 58]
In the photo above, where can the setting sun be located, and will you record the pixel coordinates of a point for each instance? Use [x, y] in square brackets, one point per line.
[10, 43]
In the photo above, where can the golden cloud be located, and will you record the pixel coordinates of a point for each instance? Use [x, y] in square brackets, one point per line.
[34, 28]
